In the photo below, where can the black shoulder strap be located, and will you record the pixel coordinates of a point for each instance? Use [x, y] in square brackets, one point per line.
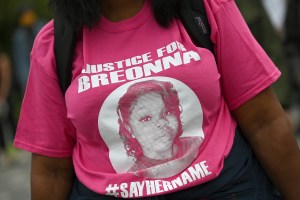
[64, 46]
[193, 15]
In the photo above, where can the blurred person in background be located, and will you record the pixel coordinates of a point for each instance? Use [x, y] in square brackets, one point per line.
[28, 26]
[5, 85]
[268, 31]
[292, 45]
[276, 11]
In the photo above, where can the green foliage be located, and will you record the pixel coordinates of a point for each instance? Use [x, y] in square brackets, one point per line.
[8, 17]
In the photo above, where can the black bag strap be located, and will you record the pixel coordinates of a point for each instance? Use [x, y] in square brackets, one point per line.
[192, 14]
[64, 47]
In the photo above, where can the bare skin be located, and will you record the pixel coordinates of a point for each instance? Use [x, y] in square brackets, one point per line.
[51, 178]
[117, 10]
[270, 134]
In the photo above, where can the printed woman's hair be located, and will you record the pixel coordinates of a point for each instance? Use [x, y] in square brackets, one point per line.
[170, 98]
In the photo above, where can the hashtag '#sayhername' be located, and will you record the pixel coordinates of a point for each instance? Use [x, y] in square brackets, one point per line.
[112, 190]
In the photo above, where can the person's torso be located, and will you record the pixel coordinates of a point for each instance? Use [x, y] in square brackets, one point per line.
[116, 63]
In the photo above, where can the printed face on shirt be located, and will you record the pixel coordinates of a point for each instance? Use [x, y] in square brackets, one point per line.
[154, 126]
[148, 134]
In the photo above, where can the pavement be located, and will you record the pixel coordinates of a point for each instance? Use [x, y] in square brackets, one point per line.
[14, 176]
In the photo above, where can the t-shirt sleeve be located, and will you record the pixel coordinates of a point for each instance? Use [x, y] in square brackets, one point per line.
[43, 126]
[244, 66]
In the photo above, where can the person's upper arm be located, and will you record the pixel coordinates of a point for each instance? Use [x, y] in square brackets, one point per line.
[51, 178]
[259, 113]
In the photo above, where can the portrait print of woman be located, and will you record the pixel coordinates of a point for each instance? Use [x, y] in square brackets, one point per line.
[151, 129]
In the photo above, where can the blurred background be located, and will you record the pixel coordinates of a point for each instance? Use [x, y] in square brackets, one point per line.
[274, 23]
[20, 20]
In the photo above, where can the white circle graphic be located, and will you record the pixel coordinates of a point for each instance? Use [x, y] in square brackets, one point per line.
[191, 116]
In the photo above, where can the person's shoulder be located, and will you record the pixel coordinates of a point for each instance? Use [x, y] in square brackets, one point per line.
[45, 36]
[43, 47]
[218, 2]
[44, 41]
[215, 5]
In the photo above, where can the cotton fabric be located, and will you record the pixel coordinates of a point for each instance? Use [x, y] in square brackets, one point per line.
[114, 57]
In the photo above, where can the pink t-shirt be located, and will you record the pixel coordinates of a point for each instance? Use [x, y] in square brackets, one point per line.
[147, 112]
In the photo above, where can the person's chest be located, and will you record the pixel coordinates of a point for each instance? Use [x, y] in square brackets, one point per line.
[109, 62]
